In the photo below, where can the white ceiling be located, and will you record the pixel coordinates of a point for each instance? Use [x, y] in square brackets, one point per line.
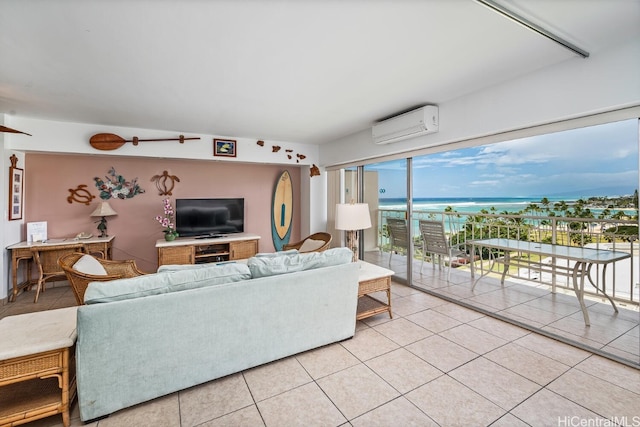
[308, 71]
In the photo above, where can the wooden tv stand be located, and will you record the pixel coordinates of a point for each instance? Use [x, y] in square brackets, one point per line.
[189, 250]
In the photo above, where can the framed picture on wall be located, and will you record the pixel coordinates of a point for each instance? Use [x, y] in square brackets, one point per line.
[16, 187]
[224, 147]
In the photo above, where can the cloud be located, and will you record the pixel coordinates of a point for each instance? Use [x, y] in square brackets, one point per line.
[486, 183]
[493, 175]
[593, 178]
[516, 153]
[585, 145]
[592, 157]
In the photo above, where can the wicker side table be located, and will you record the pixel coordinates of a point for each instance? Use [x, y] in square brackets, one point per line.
[37, 376]
[373, 278]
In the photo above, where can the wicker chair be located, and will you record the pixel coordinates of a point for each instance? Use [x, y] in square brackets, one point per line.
[79, 281]
[46, 257]
[325, 237]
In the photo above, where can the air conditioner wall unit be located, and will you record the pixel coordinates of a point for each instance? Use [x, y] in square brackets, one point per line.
[421, 121]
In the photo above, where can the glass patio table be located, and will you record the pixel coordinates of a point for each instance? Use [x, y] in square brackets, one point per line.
[584, 259]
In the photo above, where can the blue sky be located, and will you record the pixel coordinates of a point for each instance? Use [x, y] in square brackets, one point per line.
[598, 160]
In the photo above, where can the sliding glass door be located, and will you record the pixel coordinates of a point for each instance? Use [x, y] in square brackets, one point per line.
[387, 243]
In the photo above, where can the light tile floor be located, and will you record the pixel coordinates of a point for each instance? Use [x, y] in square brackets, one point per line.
[434, 364]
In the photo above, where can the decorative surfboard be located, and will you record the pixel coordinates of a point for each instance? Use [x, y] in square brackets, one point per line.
[282, 211]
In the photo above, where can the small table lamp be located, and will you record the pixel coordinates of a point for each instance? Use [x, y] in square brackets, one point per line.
[103, 210]
[352, 217]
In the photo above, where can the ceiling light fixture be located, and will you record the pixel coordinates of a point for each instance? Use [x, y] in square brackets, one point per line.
[533, 27]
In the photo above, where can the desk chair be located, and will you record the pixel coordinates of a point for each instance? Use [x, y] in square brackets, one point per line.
[398, 236]
[435, 242]
[46, 260]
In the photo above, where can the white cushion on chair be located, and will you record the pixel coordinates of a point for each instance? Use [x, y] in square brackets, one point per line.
[310, 245]
[89, 265]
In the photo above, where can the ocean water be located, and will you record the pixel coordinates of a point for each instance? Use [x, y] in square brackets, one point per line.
[476, 204]
[467, 204]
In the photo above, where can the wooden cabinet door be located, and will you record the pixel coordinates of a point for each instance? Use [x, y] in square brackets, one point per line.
[176, 255]
[243, 249]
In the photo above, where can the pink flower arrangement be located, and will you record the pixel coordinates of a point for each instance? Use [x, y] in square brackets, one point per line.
[167, 220]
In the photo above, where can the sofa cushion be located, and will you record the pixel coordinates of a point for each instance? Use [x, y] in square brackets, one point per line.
[277, 254]
[311, 245]
[178, 267]
[165, 282]
[89, 265]
[270, 266]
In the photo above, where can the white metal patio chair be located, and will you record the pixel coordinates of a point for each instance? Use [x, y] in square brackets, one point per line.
[435, 243]
[398, 236]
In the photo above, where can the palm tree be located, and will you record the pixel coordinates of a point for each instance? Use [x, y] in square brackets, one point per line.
[532, 208]
[561, 206]
[604, 214]
[545, 204]
[619, 215]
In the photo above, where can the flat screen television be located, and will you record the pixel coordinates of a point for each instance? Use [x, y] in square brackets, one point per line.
[209, 217]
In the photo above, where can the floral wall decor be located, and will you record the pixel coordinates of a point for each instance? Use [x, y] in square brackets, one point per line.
[114, 186]
[80, 195]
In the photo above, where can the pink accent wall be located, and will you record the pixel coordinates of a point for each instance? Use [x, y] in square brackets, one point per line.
[49, 177]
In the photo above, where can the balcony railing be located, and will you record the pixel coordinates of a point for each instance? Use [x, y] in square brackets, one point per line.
[622, 277]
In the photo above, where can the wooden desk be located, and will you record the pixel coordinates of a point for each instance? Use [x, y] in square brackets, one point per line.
[37, 375]
[22, 252]
[583, 258]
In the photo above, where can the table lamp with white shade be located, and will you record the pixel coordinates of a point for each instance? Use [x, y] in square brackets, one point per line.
[352, 217]
[103, 210]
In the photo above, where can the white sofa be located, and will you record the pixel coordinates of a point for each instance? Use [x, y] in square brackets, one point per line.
[149, 336]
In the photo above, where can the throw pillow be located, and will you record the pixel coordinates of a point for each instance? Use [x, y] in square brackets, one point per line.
[89, 265]
[311, 245]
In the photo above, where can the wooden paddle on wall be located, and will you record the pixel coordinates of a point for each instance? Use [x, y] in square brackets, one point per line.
[6, 129]
[110, 141]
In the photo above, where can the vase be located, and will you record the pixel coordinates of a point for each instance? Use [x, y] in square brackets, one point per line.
[170, 236]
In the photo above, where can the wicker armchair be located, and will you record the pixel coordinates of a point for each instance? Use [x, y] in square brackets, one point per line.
[79, 281]
[324, 237]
